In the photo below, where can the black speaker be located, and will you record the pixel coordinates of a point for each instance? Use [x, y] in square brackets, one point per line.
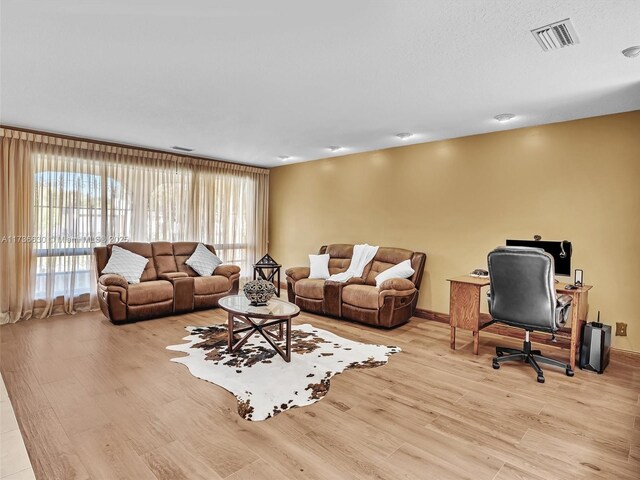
[595, 347]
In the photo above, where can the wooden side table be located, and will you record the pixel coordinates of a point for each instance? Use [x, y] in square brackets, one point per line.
[579, 312]
[464, 306]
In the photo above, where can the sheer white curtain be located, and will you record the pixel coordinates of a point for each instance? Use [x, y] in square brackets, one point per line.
[228, 224]
[81, 201]
[86, 195]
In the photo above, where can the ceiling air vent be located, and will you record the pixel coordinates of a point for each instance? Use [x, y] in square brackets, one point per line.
[556, 35]
[182, 149]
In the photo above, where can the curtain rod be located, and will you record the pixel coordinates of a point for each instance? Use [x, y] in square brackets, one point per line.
[123, 145]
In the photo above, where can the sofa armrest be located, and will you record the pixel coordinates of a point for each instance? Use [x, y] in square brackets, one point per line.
[396, 296]
[226, 270]
[172, 276]
[351, 281]
[111, 279]
[397, 284]
[113, 293]
[298, 273]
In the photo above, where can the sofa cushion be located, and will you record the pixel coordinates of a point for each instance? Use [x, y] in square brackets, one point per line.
[142, 249]
[203, 261]
[310, 288]
[401, 270]
[363, 296]
[340, 254]
[182, 251]
[154, 291]
[163, 257]
[319, 266]
[210, 285]
[386, 258]
[338, 265]
[340, 250]
[125, 263]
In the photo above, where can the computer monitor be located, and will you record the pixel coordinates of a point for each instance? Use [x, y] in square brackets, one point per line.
[560, 251]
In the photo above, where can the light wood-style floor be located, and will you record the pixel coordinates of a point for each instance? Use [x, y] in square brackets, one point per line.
[99, 401]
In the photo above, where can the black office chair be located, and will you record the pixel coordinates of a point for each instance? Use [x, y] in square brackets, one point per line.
[523, 294]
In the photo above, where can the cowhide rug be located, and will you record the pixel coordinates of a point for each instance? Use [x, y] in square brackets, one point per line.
[261, 380]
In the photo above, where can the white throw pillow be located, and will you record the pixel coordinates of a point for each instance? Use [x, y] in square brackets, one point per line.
[319, 266]
[125, 263]
[203, 261]
[401, 270]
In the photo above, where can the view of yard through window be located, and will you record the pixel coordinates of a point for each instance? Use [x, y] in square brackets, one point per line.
[80, 204]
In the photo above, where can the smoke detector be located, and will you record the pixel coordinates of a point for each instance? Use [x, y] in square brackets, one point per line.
[556, 35]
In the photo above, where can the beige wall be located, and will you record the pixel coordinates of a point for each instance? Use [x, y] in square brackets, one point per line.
[457, 199]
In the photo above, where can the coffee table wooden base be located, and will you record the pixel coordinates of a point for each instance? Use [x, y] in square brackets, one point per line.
[262, 326]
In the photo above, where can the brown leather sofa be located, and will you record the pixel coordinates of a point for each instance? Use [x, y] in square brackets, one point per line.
[167, 286]
[359, 299]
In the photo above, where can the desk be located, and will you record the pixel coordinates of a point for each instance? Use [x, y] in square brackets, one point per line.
[464, 310]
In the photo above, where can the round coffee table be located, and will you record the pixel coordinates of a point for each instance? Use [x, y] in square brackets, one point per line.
[247, 319]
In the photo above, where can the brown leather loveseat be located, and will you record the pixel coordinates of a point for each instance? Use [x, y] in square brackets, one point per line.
[359, 299]
[167, 286]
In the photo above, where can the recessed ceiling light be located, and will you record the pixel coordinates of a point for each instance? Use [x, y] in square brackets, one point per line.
[182, 149]
[631, 51]
[404, 135]
[334, 148]
[284, 158]
[504, 117]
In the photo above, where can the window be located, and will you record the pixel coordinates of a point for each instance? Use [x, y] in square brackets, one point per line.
[81, 203]
[72, 215]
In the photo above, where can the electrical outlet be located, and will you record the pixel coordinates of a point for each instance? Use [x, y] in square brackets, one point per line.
[621, 329]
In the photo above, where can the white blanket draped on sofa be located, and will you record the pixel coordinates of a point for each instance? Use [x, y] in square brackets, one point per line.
[362, 255]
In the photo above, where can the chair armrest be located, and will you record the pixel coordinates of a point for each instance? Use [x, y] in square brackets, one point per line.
[298, 273]
[226, 270]
[397, 284]
[111, 279]
[564, 300]
[172, 276]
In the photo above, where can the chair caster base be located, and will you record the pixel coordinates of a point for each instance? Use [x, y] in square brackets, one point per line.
[531, 357]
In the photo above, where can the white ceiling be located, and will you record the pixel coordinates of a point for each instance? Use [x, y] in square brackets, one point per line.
[249, 80]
